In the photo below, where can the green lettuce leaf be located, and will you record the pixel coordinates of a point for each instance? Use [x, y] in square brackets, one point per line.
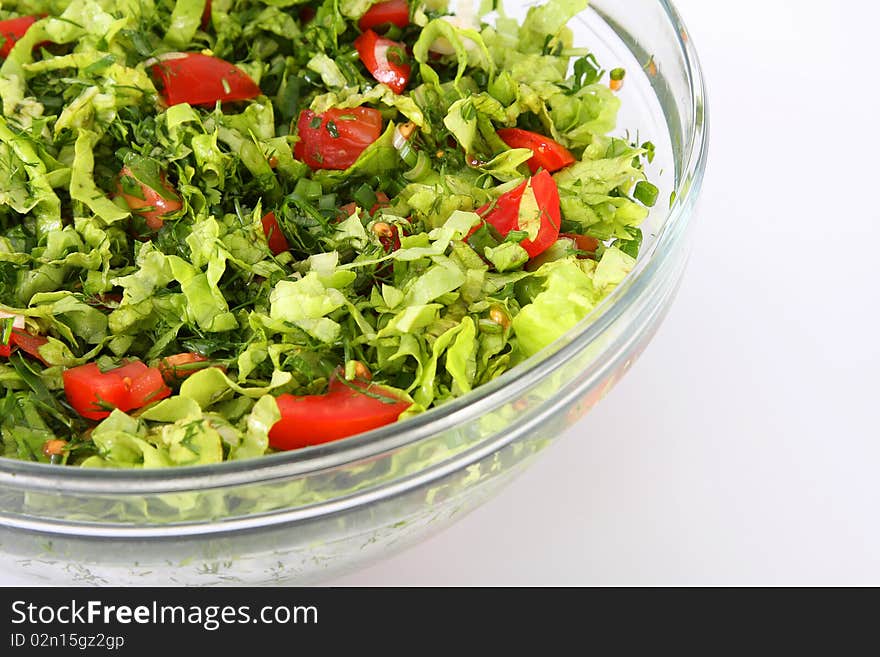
[571, 290]
[185, 21]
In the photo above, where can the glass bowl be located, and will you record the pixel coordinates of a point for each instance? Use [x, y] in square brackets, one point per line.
[300, 517]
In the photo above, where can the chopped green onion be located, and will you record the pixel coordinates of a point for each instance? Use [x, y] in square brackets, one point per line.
[421, 169]
[482, 238]
[401, 142]
[517, 236]
[633, 246]
[308, 189]
[646, 193]
[7, 330]
[365, 197]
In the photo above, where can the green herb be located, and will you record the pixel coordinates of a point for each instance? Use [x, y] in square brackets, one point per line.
[586, 72]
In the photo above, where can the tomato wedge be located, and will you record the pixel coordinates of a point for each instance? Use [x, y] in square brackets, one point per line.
[547, 154]
[392, 12]
[93, 393]
[532, 207]
[385, 60]
[336, 138]
[277, 242]
[347, 409]
[11, 30]
[197, 79]
[143, 200]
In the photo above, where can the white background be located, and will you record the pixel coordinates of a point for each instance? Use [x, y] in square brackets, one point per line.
[743, 448]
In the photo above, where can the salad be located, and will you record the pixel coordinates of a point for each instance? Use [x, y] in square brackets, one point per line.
[234, 227]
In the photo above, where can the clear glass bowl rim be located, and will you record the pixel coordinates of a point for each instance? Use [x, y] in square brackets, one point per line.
[40, 476]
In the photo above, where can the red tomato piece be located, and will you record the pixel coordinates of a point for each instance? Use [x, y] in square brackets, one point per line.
[198, 79]
[336, 138]
[93, 393]
[147, 387]
[548, 154]
[385, 60]
[582, 242]
[541, 217]
[28, 343]
[347, 409]
[307, 14]
[206, 15]
[274, 236]
[179, 366]
[11, 30]
[347, 210]
[392, 12]
[18, 337]
[382, 201]
[154, 205]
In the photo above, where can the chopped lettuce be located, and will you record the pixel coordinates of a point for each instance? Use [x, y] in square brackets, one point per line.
[570, 290]
[389, 264]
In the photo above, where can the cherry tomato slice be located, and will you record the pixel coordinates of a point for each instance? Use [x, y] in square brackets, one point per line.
[198, 79]
[532, 207]
[275, 238]
[347, 409]
[336, 138]
[385, 60]
[392, 12]
[155, 204]
[93, 394]
[548, 154]
[11, 30]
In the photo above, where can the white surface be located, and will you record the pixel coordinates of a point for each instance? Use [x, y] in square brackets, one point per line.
[743, 448]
